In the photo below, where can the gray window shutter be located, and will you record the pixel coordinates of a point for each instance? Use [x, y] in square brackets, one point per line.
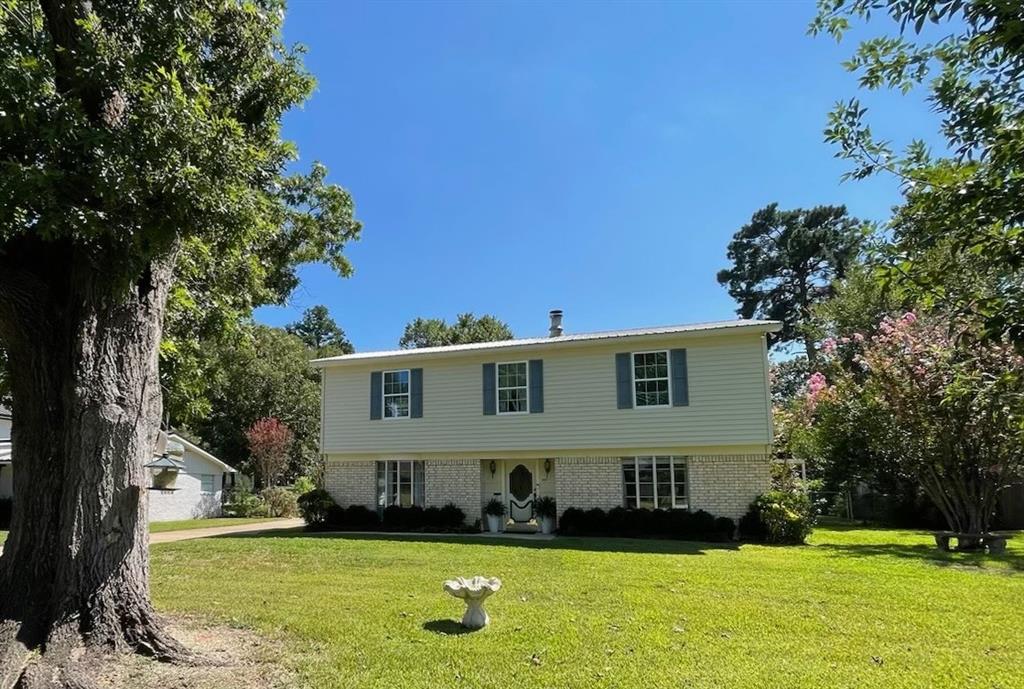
[624, 380]
[490, 390]
[416, 393]
[680, 381]
[376, 392]
[536, 386]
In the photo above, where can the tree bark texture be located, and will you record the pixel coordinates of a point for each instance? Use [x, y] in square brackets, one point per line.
[83, 347]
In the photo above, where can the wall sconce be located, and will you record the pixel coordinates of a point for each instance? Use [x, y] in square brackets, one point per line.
[494, 467]
[547, 466]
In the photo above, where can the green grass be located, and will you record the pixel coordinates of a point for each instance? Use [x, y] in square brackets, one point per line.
[187, 524]
[856, 608]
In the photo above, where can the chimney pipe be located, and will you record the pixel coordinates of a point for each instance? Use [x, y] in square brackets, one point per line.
[556, 323]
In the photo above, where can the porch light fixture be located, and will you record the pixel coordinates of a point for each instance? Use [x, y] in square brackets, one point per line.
[494, 467]
[547, 466]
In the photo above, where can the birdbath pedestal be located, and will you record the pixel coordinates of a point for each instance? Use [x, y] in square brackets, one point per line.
[473, 591]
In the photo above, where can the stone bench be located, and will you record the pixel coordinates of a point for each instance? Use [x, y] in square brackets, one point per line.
[995, 542]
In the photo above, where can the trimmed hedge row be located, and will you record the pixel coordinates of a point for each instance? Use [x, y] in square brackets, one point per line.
[644, 523]
[322, 513]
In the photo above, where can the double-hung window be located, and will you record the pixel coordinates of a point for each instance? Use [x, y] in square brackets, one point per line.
[654, 482]
[650, 379]
[396, 394]
[513, 388]
[399, 482]
[206, 483]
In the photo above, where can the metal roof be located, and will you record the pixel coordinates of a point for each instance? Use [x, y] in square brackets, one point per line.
[538, 342]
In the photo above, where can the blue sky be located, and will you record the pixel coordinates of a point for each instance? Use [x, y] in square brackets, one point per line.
[511, 158]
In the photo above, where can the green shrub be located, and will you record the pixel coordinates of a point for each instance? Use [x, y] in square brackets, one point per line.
[303, 485]
[452, 517]
[357, 518]
[281, 502]
[315, 507]
[779, 516]
[572, 522]
[644, 523]
[494, 508]
[241, 503]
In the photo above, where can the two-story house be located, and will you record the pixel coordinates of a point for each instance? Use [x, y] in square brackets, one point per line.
[666, 417]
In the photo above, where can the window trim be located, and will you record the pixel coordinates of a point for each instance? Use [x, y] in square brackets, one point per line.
[384, 396]
[498, 388]
[667, 379]
[654, 479]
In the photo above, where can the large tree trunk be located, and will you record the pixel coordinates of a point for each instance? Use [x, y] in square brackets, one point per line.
[83, 348]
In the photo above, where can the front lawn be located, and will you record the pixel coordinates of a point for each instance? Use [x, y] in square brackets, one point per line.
[857, 608]
[187, 524]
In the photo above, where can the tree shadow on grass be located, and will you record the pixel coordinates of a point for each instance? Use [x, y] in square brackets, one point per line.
[589, 543]
[929, 554]
[446, 628]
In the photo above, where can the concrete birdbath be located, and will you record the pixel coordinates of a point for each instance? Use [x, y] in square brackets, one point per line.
[473, 591]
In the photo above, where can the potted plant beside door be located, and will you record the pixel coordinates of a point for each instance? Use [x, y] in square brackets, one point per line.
[547, 510]
[495, 511]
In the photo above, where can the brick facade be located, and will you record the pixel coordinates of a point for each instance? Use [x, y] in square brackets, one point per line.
[352, 483]
[588, 482]
[725, 485]
[456, 481]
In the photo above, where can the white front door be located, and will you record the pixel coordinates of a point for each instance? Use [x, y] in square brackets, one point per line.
[521, 490]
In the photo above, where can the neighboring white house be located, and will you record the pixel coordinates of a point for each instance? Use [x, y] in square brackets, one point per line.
[5, 452]
[669, 417]
[193, 491]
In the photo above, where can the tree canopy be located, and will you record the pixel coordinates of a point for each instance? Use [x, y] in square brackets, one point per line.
[961, 204]
[435, 332]
[784, 262]
[320, 333]
[264, 374]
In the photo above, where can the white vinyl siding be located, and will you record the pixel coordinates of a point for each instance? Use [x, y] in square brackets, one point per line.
[728, 404]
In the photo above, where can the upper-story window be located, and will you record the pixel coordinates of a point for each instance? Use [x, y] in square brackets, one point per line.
[650, 379]
[513, 388]
[396, 394]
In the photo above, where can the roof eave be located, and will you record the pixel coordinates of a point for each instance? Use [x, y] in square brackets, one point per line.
[529, 345]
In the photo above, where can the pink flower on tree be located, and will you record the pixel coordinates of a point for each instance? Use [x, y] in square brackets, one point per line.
[828, 345]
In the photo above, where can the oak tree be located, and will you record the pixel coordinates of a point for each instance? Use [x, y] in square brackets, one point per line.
[141, 154]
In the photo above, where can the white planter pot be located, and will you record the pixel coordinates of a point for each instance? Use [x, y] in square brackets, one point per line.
[547, 525]
[494, 523]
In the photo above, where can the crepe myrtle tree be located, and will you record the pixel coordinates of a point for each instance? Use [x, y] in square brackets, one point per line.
[928, 402]
[134, 137]
[270, 443]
